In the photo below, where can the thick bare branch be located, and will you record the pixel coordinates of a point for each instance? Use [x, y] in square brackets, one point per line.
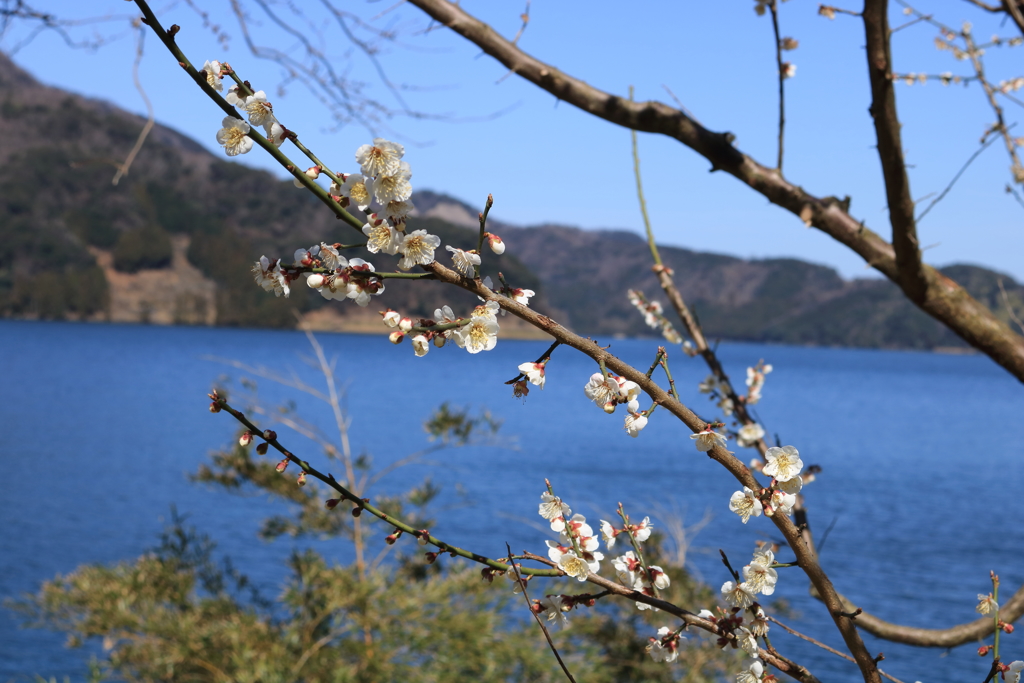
[943, 299]
[909, 267]
[806, 557]
[961, 634]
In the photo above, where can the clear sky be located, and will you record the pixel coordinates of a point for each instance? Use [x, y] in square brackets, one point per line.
[546, 161]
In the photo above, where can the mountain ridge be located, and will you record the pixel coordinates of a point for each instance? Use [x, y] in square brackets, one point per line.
[174, 241]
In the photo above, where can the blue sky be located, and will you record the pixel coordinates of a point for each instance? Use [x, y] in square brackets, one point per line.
[545, 161]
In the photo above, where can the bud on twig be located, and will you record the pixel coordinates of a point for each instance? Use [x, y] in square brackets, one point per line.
[262, 448]
[281, 465]
[332, 503]
[302, 478]
[245, 439]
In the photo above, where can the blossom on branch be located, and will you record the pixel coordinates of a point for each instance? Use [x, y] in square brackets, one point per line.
[395, 187]
[574, 566]
[737, 594]
[417, 248]
[354, 187]
[464, 260]
[420, 344]
[752, 674]
[213, 75]
[381, 158]
[534, 372]
[986, 604]
[783, 463]
[664, 648]
[749, 435]
[234, 136]
[270, 277]
[261, 112]
[758, 576]
[745, 504]
[708, 439]
[554, 510]
[381, 236]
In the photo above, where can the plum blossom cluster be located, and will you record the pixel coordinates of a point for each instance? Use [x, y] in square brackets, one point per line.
[784, 466]
[478, 332]
[607, 391]
[755, 381]
[654, 316]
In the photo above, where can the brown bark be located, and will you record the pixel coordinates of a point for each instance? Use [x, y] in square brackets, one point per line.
[940, 297]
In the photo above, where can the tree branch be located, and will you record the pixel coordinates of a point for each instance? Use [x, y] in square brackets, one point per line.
[961, 634]
[943, 298]
[909, 273]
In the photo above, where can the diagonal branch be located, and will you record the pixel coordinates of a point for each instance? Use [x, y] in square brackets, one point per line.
[961, 634]
[943, 299]
[909, 268]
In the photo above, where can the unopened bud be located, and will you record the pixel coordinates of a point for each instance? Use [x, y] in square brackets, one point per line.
[214, 407]
[423, 536]
[313, 172]
[487, 574]
[245, 439]
[332, 503]
[270, 435]
[302, 478]
[356, 511]
[590, 602]
[405, 324]
[390, 540]
[396, 337]
[495, 243]
[609, 407]
[431, 557]
[520, 389]
[262, 448]
[1007, 628]
[281, 466]
[440, 340]
[391, 317]
[315, 281]
[983, 650]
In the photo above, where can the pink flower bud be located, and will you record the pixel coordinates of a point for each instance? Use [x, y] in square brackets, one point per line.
[390, 540]
[302, 478]
[269, 435]
[983, 650]
[396, 337]
[313, 172]
[214, 407]
[487, 574]
[245, 439]
[495, 243]
[262, 448]
[431, 557]
[440, 340]
[356, 511]
[423, 536]
[332, 503]
[405, 324]
[1007, 628]
[281, 465]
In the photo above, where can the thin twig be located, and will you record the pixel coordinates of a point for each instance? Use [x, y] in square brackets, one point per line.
[150, 121]
[823, 646]
[547, 634]
[773, 6]
[1009, 308]
[959, 173]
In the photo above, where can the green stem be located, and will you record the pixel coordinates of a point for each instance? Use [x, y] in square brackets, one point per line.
[668, 373]
[640, 195]
[636, 549]
[995, 618]
[657, 361]
[365, 505]
[279, 156]
[442, 327]
[483, 230]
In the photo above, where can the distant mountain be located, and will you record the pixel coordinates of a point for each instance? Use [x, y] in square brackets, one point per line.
[174, 240]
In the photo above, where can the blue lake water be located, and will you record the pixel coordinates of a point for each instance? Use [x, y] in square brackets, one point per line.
[922, 458]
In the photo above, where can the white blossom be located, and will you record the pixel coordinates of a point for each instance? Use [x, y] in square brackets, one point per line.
[234, 97]
[708, 439]
[608, 533]
[495, 243]
[745, 504]
[234, 135]
[783, 463]
[749, 435]
[737, 594]
[747, 641]
[752, 674]
[354, 187]
[417, 248]
[1013, 674]
[635, 422]
[270, 277]
[213, 77]
[391, 317]
[420, 344]
[397, 212]
[534, 373]
[782, 503]
[481, 334]
[553, 509]
[464, 260]
[603, 392]
[522, 296]
[381, 236]
[760, 577]
[664, 648]
[381, 158]
[574, 566]
[986, 604]
[627, 568]
[556, 606]
[393, 187]
[709, 384]
[261, 112]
